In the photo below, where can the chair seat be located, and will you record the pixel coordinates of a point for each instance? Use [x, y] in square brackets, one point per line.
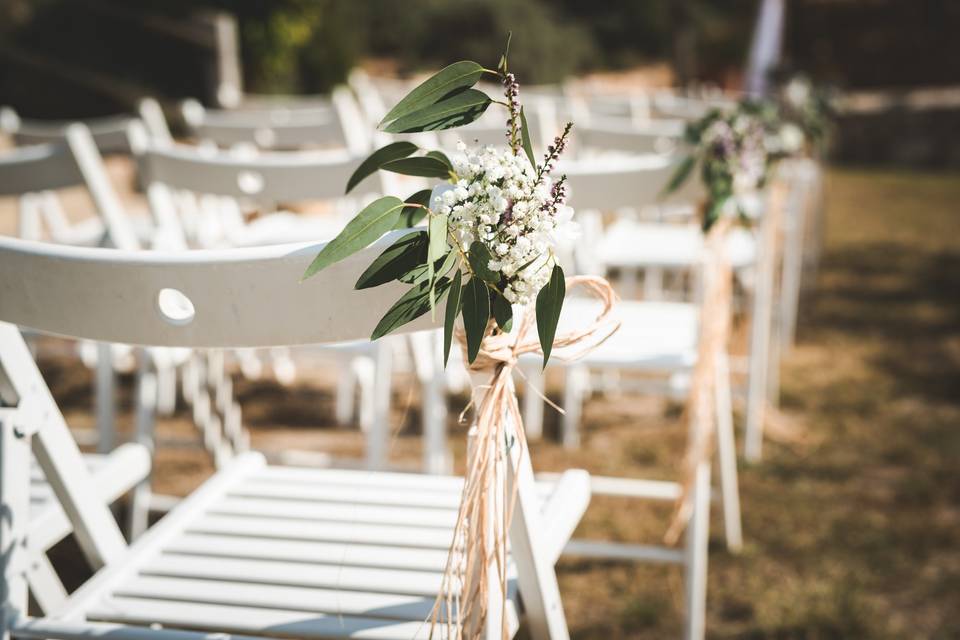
[629, 244]
[653, 336]
[294, 552]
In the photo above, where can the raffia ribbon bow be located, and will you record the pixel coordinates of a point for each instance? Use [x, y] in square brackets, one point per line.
[486, 507]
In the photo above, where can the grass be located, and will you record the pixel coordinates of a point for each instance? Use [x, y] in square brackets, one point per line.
[855, 534]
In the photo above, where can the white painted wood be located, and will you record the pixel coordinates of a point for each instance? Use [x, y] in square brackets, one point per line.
[325, 531]
[760, 335]
[277, 622]
[626, 487]
[14, 474]
[45, 585]
[109, 133]
[105, 287]
[623, 551]
[104, 400]
[695, 573]
[144, 415]
[563, 510]
[727, 457]
[43, 628]
[308, 552]
[113, 476]
[314, 510]
[329, 601]
[326, 576]
[157, 536]
[378, 494]
[56, 452]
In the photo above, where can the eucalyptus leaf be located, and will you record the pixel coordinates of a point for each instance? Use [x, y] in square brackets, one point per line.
[367, 226]
[450, 318]
[413, 304]
[392, 151]
[423, 166]
[455, 111]
[458, 75]
[476, 314]
[525, 139]
[680, 175]
[442, 157]
[503, 312]
[422, 271]
[479, 257]
[549, 305]
[411, 216]
[405, 254]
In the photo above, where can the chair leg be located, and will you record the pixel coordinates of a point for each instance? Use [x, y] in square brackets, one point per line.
[104, 398]
[145, 413]
[573, 395]
[346, 390]
[532, 402]
[697, 537]
[727, 454]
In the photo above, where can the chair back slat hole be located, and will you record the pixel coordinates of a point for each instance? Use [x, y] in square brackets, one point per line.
[175, 307]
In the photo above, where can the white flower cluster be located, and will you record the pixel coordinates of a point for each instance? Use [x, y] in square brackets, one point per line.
[499, 202]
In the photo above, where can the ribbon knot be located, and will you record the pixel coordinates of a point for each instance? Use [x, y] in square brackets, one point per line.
[486, 504]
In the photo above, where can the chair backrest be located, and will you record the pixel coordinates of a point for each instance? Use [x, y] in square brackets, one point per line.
[339, 124]
[609, 184]
[268, 177]
[70, 162]
[661, 137]
[109, 134]
[203, 299]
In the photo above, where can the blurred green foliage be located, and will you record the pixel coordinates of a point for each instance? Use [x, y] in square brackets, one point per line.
[291, 46]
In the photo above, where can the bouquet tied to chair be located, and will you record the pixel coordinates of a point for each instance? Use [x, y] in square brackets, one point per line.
[478, 246]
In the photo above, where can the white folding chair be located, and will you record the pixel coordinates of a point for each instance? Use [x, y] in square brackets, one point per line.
[184, 183]
[337, 125]
[109, 134]
[257, 551]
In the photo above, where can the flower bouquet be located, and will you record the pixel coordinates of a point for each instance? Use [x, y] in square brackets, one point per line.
[485, 238]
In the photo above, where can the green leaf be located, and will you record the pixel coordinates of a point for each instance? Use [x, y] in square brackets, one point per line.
[502, 67]
[479, 257]
[460, 109]
[476, 313]
[453, 308]
[411, 216]
[405, 254]
[413, 304]
[375, 220]
[503, 312]
[680, 175]
[421, 272]
[442, 157]
[423, 166]
[525, 139]
[392, 151]
[549, 304]
[458, 75]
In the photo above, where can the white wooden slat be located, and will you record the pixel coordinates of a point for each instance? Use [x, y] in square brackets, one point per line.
[297, 574]
[330, 601]
[350, 495]
[49, 628]
[271, 622]
[417, 537]
[335, 511]
[158, 535]
[623, 551]
[348, 553]
[563, 509]
[241, 297]
[360, 478]
[626, 487]
[123, 468]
